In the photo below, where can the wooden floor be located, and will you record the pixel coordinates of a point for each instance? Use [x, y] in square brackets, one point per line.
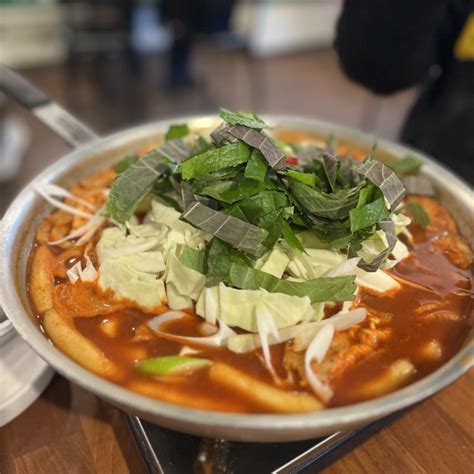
[109, 98]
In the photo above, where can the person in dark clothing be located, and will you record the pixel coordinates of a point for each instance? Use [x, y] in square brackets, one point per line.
[187, 19]
[390, 45]
[184, 19]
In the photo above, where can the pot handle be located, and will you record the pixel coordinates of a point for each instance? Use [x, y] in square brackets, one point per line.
[47, 111]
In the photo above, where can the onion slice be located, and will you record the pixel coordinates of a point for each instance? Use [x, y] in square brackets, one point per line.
[348, 267]
[85, 232]
[88, 273]
[93, 229]
[301, 333]
[266, 326]
[211, 306]
[216, 340]
[73, 273]
[42, 190]
[55, 190]
[340, 322]
[186, 351]
[317, 350]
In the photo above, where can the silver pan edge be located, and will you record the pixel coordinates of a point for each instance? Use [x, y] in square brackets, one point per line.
[16, 238]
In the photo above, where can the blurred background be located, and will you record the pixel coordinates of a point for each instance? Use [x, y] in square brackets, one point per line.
[118, 63]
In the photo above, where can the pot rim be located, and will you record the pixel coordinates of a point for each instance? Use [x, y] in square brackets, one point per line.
[249, 427]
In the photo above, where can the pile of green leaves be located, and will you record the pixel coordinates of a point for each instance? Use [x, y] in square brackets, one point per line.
[240, 188]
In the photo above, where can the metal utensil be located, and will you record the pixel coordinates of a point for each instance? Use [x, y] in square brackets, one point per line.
[49, 112]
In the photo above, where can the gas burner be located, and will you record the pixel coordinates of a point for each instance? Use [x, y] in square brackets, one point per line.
[169, 452]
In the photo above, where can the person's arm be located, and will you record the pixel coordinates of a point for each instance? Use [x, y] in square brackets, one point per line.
[388, 45]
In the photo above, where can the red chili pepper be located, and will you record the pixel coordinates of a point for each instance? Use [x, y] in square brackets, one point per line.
[292, 160]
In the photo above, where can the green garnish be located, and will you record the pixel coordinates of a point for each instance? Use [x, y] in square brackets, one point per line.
[215, 160]
[368, 215]
[334, 206]
[257, 140]
[125, 163]
[256, 167]
[195, 259]
[250, 120]
[418, 213]
[306, 178]
[407, 165]
[318, 290]
[385, 179]
[177, 131]
[330, 169]
[290, 237]
[253, 208]
[240, 190]
[218, 262]
[167, 365]
[241, 235]
[135, 184]
[232, 191]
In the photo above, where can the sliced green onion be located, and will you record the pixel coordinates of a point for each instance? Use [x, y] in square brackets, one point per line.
[171, 365]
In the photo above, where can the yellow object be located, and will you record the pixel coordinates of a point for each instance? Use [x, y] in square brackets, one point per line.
[464, 46]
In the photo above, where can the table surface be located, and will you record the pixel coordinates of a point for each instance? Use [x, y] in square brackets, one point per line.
[70, 430]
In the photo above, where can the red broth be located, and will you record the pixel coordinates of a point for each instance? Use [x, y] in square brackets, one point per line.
[433, 304]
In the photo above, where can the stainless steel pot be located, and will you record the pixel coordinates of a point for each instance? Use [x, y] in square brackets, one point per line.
[93, 153]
